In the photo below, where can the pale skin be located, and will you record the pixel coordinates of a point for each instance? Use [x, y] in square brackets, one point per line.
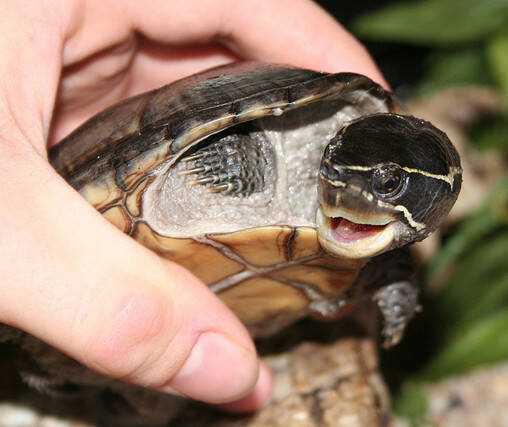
[68, 276]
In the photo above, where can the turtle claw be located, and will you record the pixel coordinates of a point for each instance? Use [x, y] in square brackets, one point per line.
[226, 188]
[192, 171]
[203, 180]
[193, 157]
[398, 303]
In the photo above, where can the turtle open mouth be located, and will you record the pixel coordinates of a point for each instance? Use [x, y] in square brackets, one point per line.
[345, 234]
[347, 231]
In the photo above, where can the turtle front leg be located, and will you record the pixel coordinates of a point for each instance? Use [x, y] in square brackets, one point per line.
[386, 285]
[398, 303]
[234, 164]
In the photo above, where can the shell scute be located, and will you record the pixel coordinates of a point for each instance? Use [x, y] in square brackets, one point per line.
[103, 193]
[133, 201]
[304, 243]
[118, 217]
[261, 247]
[331, 282]
[206, 262]
[260, 300]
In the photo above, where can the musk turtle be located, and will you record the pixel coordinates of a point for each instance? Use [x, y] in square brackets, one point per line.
[274, 185]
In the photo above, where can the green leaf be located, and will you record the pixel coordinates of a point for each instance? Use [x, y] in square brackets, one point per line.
[412, 402]
[492, 214]
[477, 288]
[484, 343]
[491, 133]
[471, 312]
[497, 51]
[431, 22]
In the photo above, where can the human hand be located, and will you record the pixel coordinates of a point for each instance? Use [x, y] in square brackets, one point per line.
[69, 277]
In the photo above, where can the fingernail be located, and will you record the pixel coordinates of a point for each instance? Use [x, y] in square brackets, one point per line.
[217, 370]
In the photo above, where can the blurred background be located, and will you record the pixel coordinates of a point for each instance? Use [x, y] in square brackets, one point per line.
[448, 61]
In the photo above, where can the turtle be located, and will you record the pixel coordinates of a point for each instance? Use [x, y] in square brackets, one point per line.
[274, 185]
[290, 192]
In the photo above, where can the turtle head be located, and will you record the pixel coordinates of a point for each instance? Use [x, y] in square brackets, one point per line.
[385, 181]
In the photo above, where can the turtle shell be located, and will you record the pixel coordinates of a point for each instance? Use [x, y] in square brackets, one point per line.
[264, 260]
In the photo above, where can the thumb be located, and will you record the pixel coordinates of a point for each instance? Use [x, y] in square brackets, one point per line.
[79, 284]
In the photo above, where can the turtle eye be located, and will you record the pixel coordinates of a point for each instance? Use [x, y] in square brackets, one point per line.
[388, 182]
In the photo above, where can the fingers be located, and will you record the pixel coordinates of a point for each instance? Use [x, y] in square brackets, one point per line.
[298, 32]
[76, 282]
[295, 32]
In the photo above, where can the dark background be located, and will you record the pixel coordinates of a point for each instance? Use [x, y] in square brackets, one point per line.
[401, 64]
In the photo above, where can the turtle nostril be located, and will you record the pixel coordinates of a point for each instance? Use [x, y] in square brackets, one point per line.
[331, 171]
[338, 171]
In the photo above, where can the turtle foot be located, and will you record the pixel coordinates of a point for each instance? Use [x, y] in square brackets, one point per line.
[398, 303]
